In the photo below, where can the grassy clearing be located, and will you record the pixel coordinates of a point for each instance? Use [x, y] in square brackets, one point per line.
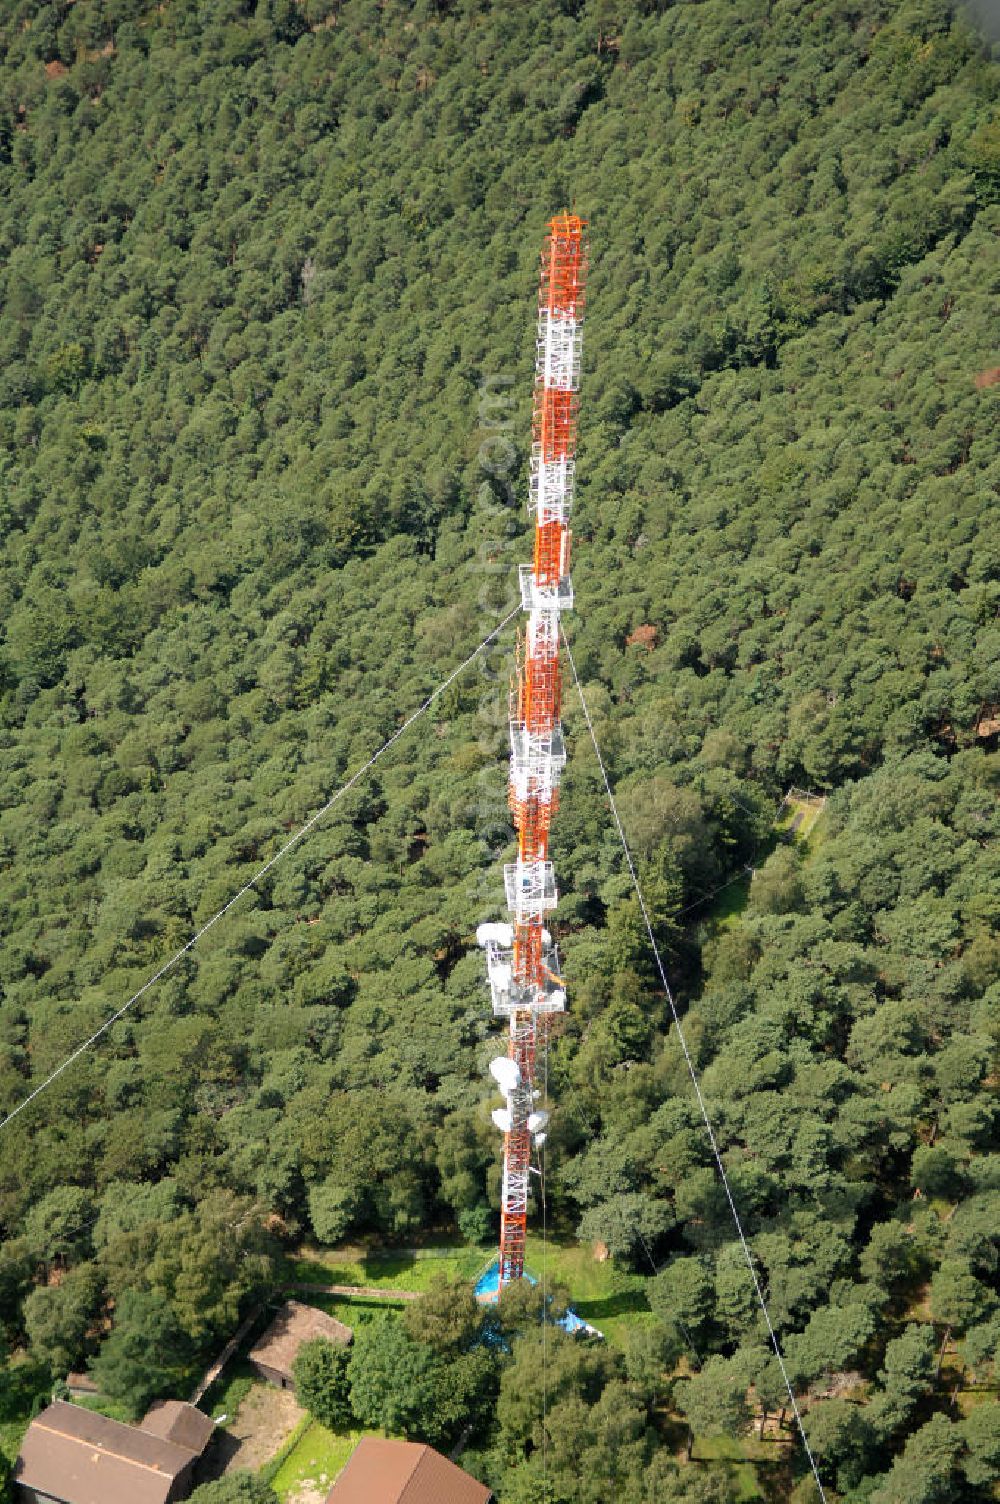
[229, 1391]
[316, 1458]
[352, 1311]
[796, 821]
[405, 1269]
[799, 814]
[727, 908]
[742, 1474]
[608, 1297]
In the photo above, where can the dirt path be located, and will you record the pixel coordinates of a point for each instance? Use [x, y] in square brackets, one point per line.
[308, 1493]
[212, 1373]
[265, 1418]
[359, 1292]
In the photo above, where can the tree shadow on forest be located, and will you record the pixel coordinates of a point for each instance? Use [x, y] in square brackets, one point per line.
[775, 1478]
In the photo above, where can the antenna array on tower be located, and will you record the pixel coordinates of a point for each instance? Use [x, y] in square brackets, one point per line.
[522, 962]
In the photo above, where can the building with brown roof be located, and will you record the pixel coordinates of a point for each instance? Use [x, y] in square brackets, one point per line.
[175, 1420]
[73, 1456]
[403, 1472]
[294, 1324]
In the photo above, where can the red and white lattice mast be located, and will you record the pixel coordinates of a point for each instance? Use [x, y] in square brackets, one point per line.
[521, 960]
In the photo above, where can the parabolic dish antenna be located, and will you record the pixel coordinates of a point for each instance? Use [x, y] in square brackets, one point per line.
[506, 1073]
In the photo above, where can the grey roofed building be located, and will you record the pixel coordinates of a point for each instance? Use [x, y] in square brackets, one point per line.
[295, 1323]
[73, 1456]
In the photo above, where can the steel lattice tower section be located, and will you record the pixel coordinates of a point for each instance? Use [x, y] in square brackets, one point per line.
[522, 962]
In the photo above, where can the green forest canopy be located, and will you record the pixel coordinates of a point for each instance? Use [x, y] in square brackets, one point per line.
[267, 283]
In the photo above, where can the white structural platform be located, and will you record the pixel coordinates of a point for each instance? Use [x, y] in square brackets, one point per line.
[535, 597]
[536, 760]
[530, 887]
[551, 487]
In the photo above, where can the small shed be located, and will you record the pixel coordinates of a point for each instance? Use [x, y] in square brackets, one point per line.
[403, 1472]
[274, 1354]
[179, 1422]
